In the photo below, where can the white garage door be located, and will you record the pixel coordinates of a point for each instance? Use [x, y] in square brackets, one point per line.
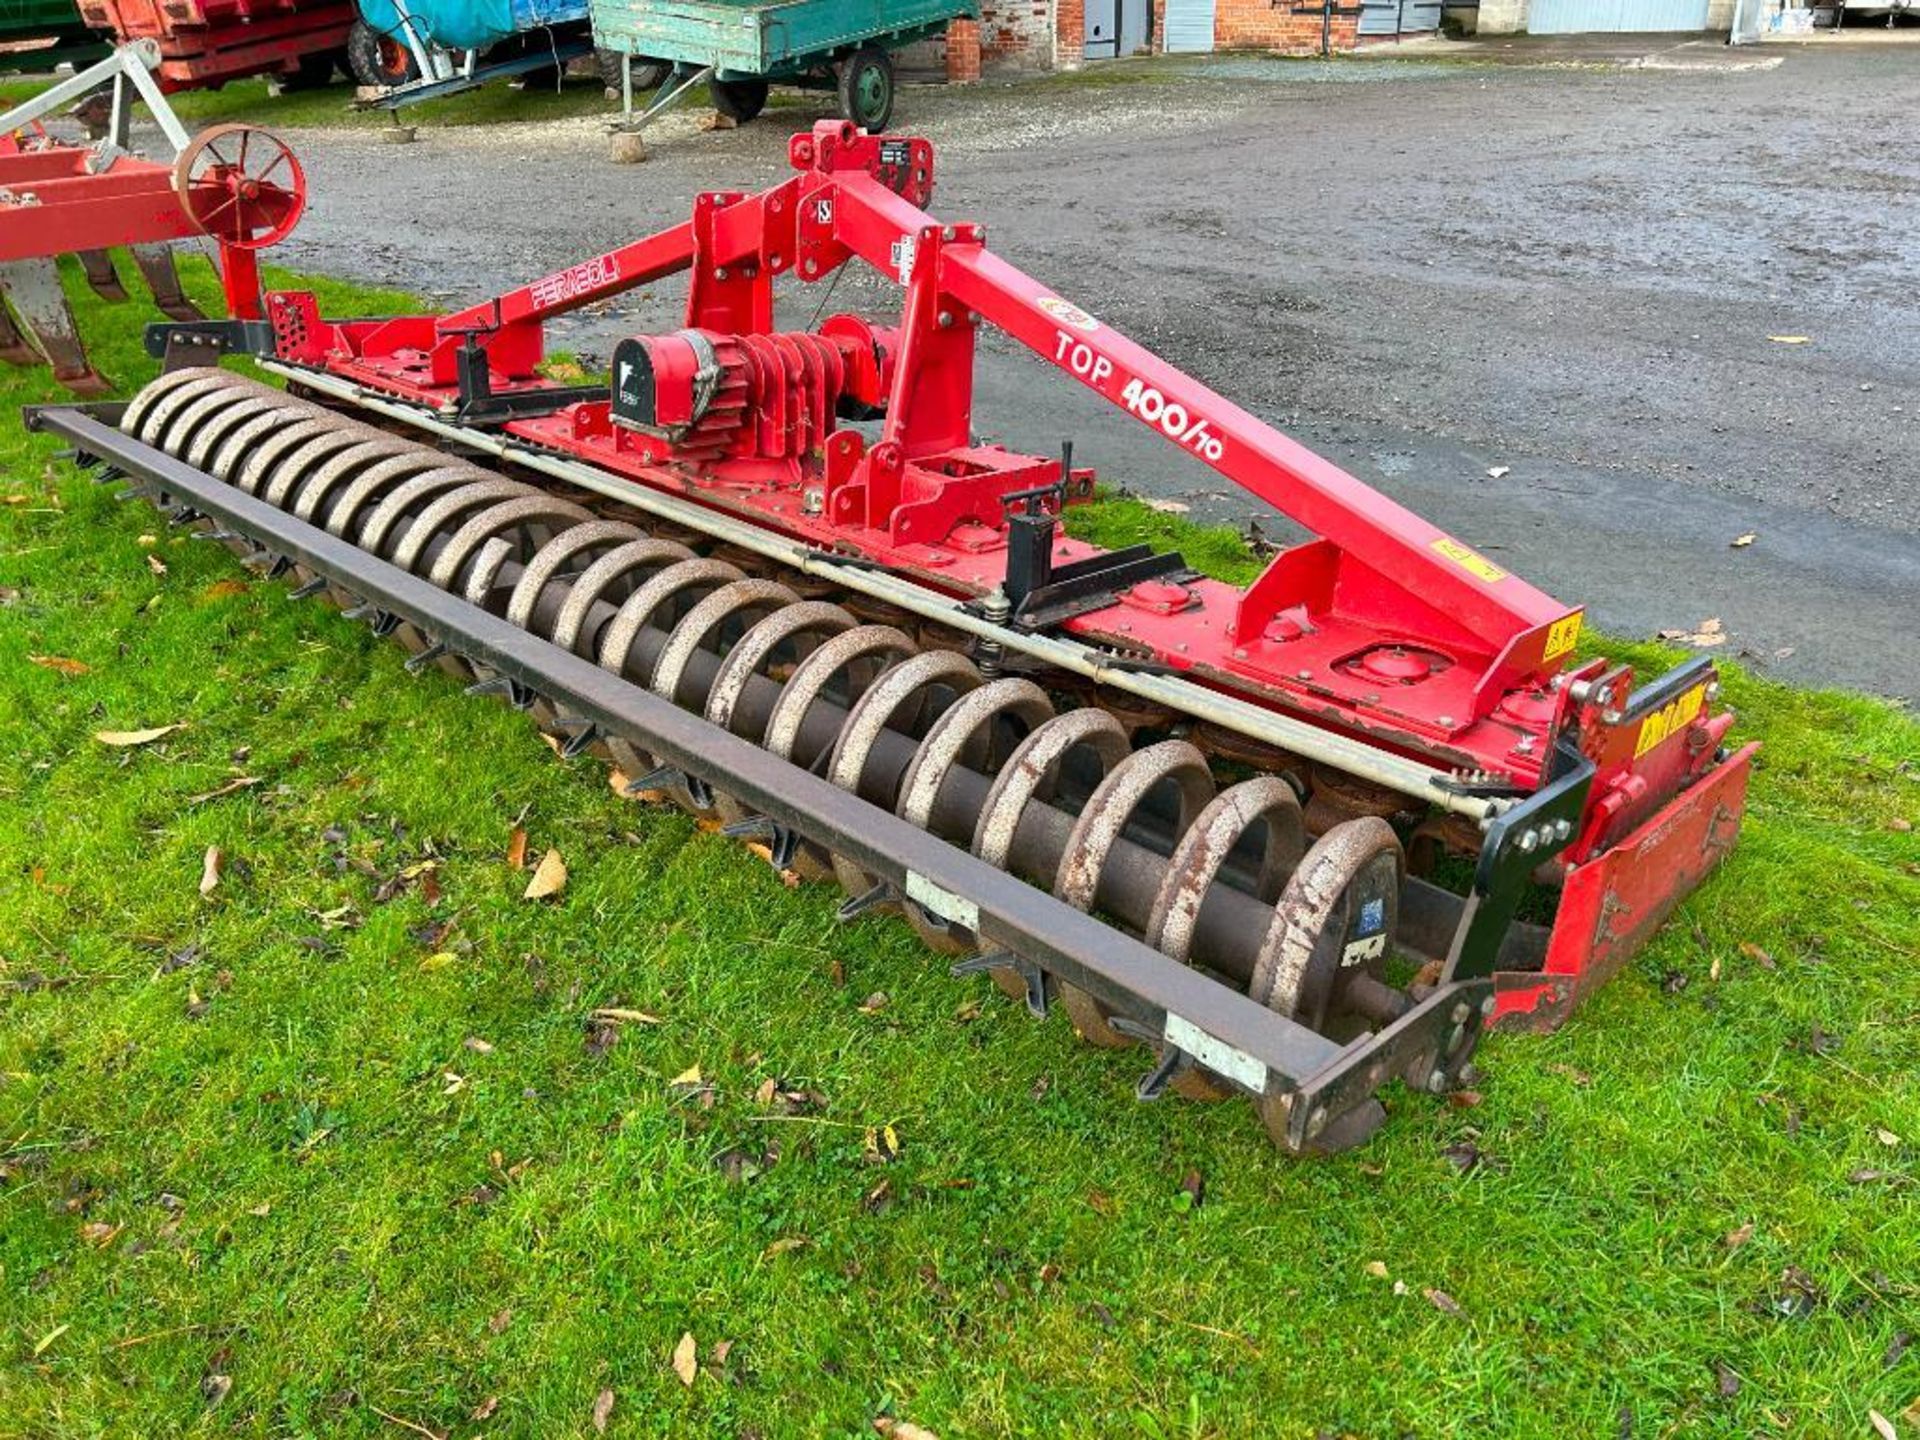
[1572, 17]
[1189, 26]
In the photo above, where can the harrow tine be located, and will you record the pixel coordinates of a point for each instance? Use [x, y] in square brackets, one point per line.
[307, 591]
[33, 289]
[157, 267]
[507, 688]
[105, 280]
[1039, 997]
[414, 663]
[663, 777]
[780, 841]
[877, 898]
[13, 346]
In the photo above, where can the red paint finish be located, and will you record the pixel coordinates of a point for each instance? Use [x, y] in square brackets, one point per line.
[1383, 626]
[1612, 904]
[59, 206]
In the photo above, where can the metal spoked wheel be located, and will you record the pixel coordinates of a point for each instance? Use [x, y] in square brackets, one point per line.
[866, 88]
[241, 185]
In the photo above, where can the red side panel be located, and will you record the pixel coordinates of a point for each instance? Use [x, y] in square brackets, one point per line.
[1613, 903]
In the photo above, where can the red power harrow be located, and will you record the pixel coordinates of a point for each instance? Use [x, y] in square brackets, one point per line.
[240, 186]
[773, 577]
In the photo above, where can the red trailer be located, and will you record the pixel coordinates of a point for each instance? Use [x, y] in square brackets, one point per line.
[205, 43]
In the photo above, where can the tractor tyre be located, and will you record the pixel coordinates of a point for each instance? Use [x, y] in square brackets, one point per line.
[738, 100]
[647, 74]
[377, 59]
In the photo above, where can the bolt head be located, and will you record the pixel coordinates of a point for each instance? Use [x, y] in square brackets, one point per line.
[1460, 1013]
[1317, 1121]
[1437, 1082]
[1529, 840]
[1488, 1006]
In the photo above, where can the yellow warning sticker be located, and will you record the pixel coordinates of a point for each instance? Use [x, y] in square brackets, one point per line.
[1669, 719]
[1562, 636]
[1469, 559]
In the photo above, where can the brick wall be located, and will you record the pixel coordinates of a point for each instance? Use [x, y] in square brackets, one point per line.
[1017, 34]
[1266, 25]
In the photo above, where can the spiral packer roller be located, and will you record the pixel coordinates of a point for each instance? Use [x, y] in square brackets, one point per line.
[774, 579]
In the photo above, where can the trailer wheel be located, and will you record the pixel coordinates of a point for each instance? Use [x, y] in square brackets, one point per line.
[866, 88]
[738, 100]
[377, 59]
[647, 74]
[312, 72]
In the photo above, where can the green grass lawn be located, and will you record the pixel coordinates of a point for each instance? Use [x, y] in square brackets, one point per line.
[332, 105]
[339, 1147]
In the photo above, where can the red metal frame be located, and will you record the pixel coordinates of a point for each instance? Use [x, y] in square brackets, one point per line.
[60, 205]
[205, 43]
[1384, 627]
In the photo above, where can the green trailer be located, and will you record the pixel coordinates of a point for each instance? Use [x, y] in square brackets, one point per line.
[55, 25]
[740, 47]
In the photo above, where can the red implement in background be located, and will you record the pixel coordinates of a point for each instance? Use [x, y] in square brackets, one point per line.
[239, 186]
[205, 43]
[1386, 662]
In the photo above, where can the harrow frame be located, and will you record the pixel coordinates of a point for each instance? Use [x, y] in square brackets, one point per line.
[1378, 671]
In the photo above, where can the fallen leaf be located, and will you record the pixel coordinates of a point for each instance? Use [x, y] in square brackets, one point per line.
[124, 738]
[1499, 472]
[262, 1210]
[874, 1003]
[1754, 953]
[784, 1244]
[156, 564]
[45, 1340]
[902, 1429]
[878, 1199]
[1741, 542]
[602, 1411]
[1443, 1302]
[1400, 1287]
[1882, 1426]
[239, 783]
[99, 1234]
[1710, 633]
[1713, 970]
[224, 589]
[477, 1045]
[549, 877]
[146, 540]
[439, 960]
[1788, 339]
[210, 867]
[1886, 1137]
[1734, 1239]
[686, 1360]
[1900, 825]
[214, 1388]
[517, 849]
[498, 1322]
[1377, 1269]
[484, 1410]
[883, 1146]
[1193, 1185]
[60, 663]
[688, 1079]
[1725, 1381]
[625, 1017]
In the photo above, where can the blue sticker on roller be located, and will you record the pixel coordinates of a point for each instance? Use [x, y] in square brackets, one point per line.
[1373, 917]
